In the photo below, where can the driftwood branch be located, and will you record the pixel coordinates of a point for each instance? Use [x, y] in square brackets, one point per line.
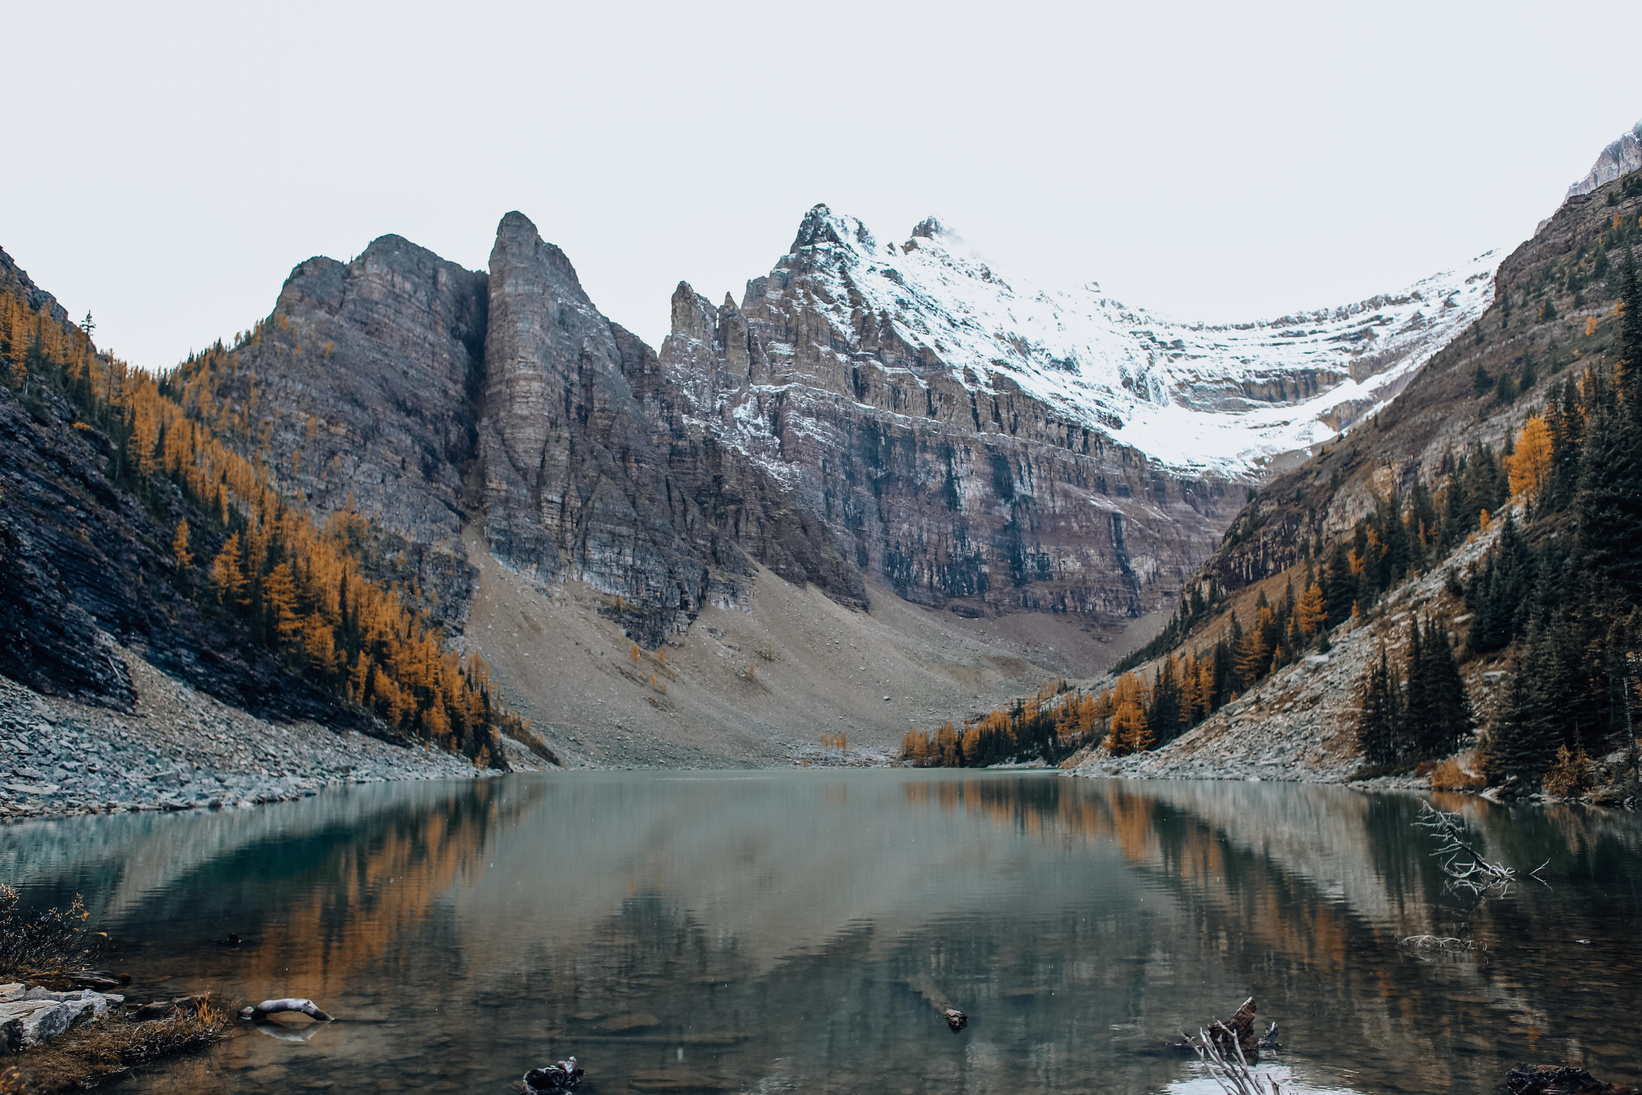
[1465, 866]
[285, 1005]
[1230, 1070]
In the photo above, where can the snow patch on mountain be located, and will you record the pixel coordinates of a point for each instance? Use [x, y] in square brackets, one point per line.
[1214, 399]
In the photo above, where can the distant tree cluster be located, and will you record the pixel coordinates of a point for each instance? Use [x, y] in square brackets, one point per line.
[294, 586]
[1030, 727]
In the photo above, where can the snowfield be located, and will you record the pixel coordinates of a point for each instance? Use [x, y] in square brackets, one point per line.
[1221, 400]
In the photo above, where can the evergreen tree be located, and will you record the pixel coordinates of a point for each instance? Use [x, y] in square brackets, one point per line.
[1339, 587]
[1629, 351]
[1164, 717]
[1448, 717]
[1502, 592]
[1566, 421]
[1518, 744]
[1608, 503]
[1379, 713]
[1412, 727]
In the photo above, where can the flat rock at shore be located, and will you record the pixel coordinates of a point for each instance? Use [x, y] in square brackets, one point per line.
[29, 1016]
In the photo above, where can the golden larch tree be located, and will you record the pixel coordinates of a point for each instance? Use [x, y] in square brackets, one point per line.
[228, 572]
[179, 546]
[1532, 461]
[1312, 610]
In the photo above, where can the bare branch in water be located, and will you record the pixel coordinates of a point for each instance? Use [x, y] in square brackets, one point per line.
[1465, 866]
[1232, 1073]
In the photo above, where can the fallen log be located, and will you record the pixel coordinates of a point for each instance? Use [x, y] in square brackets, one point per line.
[1559, 1080]
[284, 1005]
[164, 1009]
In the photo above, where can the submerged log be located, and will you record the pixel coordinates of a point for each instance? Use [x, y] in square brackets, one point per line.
[1239, 1033]
[1559, 1080]
[1230, 1039]
[164, 1009]
[955, 1019]
[286, 1004]
[558, 1077]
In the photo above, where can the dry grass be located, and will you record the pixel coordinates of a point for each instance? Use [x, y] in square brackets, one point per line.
[1455, 774]
[44, 946]
[99, 1051]
[1570, 776]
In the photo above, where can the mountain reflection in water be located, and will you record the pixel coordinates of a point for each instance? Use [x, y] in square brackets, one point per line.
[787, 931]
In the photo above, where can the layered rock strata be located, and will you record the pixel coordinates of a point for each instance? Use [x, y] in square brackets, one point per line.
[956, 490]
[845, 422]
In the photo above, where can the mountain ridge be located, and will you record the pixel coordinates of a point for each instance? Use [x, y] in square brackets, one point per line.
[860, 424]
[1143, 379]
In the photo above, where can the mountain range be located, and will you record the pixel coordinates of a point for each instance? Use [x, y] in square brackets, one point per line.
[887, 454]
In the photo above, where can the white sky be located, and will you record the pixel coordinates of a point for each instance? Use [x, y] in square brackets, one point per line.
[167, 164]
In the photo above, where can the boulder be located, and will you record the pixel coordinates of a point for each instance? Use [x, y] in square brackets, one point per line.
[30, 1016]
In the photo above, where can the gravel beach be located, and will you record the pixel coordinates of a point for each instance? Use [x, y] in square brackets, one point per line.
[180, 750]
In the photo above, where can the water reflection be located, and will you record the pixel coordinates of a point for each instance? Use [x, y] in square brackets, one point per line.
[788, 931]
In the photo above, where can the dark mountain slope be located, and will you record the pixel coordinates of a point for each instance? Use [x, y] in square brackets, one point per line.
[81, 556]
[360, 391]
[1554, 308]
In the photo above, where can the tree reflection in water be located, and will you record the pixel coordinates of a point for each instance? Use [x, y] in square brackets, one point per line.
[789, 930]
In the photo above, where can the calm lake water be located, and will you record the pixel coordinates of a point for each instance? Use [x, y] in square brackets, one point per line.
[787, 931]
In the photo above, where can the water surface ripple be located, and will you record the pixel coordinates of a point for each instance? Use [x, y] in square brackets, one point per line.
[788, 931]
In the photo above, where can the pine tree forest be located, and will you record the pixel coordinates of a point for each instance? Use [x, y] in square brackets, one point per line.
[295, 586]
[1558, 596]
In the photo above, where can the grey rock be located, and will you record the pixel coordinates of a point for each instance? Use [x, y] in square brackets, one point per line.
[29, 1017]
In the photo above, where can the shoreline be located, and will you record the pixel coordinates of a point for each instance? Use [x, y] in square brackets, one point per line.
[180, 749]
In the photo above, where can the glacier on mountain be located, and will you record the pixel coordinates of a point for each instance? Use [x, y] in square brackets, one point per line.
[1222, 400]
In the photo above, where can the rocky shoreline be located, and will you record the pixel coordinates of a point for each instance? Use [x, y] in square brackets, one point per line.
[179, 749]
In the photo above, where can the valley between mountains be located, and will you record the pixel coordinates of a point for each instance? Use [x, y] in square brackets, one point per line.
[462, 520]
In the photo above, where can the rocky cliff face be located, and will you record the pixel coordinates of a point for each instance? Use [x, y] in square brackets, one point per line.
[1194, 398]
[899, 413]
[1621, 157]
[361, 391]
[590, 474]
[1552, 304]
[953, 489]
[86, 564]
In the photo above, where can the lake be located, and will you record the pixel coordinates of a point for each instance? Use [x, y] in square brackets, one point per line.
[789, 931]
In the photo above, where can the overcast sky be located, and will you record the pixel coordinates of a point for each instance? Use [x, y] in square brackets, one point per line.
[169, 163]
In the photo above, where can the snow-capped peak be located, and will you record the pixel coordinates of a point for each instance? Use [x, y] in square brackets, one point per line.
[1219, 399]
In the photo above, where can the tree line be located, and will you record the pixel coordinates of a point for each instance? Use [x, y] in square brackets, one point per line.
[293, 585]
[1561, 592]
